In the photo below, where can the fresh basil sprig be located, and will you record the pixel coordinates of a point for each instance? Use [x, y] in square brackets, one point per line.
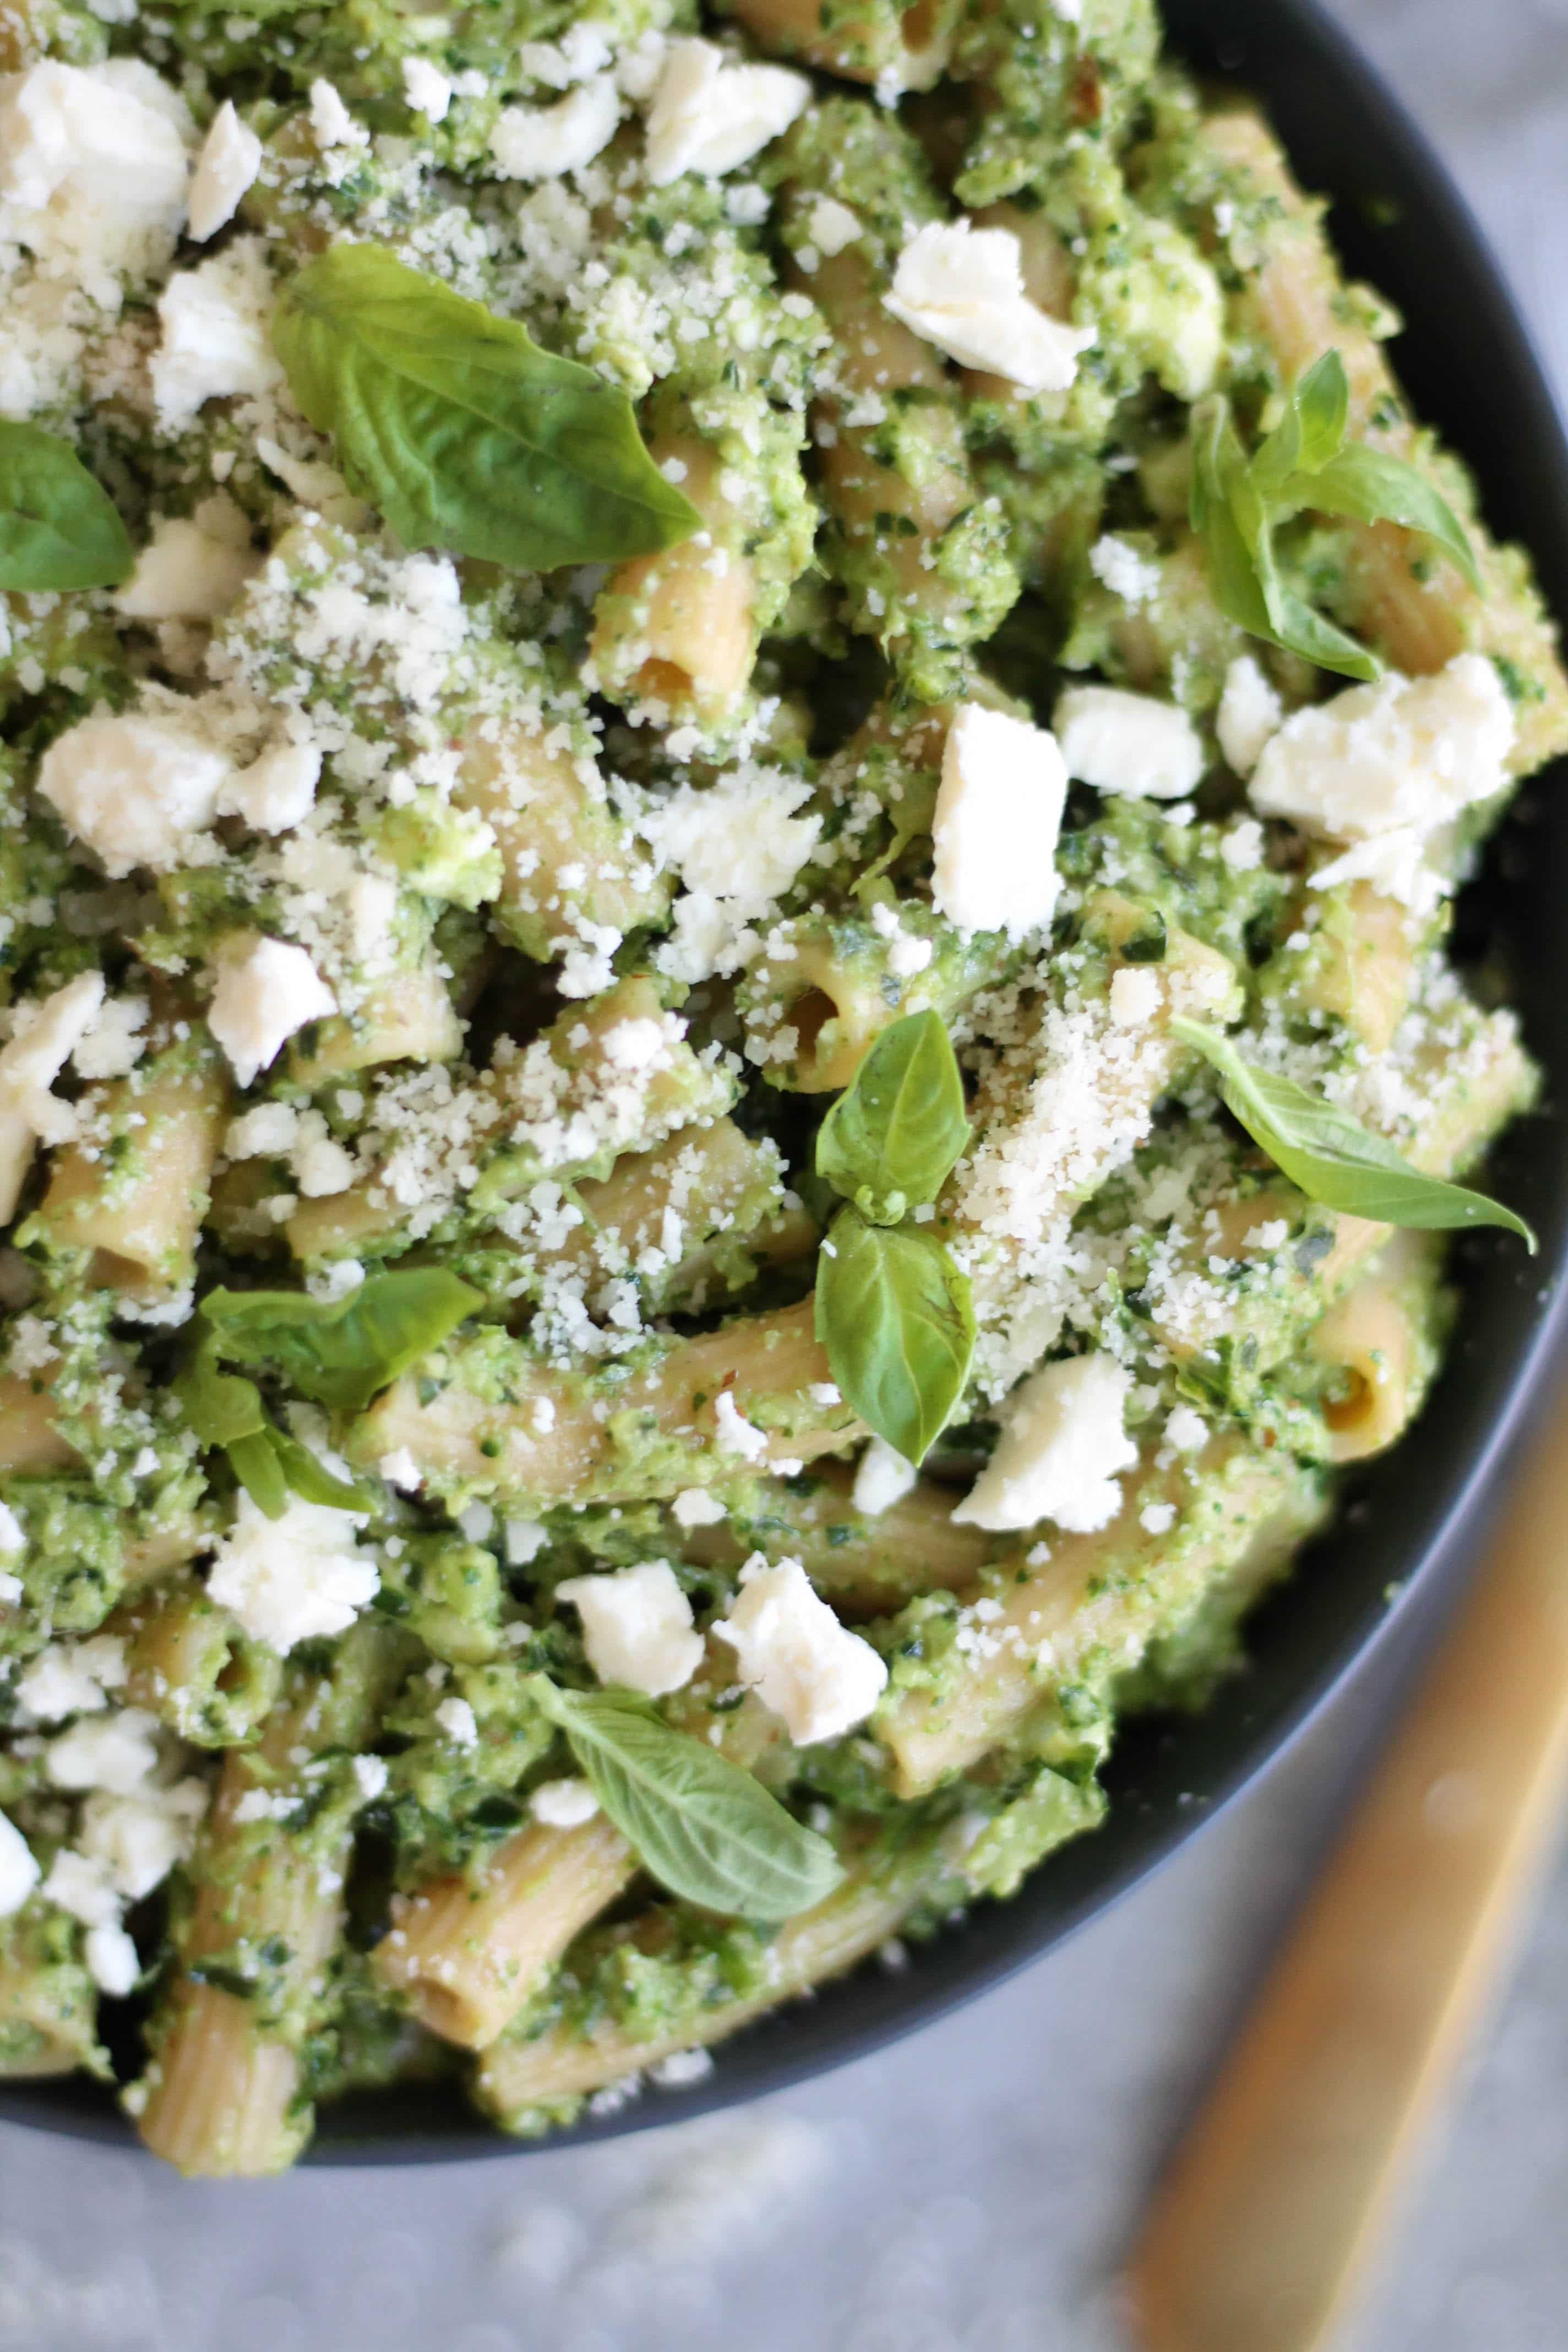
[892, 1310]
[340, 1352]
[703, 1827]
[896, 1130]
[459, 430]
[1303, 465]
[1331, 1156]
[59, 529]
[227, 1415]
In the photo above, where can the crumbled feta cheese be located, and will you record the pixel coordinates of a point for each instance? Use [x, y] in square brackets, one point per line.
[426, 89]
[1242, 845]
[112, 1042]
[118, 1752]
[267, 1132]
[1132, 744]
[215, 342]
[12, 1590]
[1406, 754]
[293, 1579]
[456, 1717]
[695, 1507]
[135, 787]
[524, 1541]
[680, 2069]
[1394, 863]
[541, 142]
[81, 1887]
[710, 113]
[332, 124]
[71, 1678]
[400, 1470]
[266, 990]
[832, 227]
[228, 166]
[998, 816]
[1061, 1446]
[20, 1872]
[563, 1804]
[1157, 1518]
[137, 1839]
[1187, 1430]
[1249, 712]
[1135, 996]
[277, 791]
[92, 171]
[733, 1433]
[372, 1774]
[812, 1671]
[1119, 567]
[882, 1477]
[961, 289]
[637, 1626]
[187, 572]
[44, 1037]
[13, 1539]
[111, 1960]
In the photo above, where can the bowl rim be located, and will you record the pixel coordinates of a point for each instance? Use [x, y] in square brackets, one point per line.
[349, 2135]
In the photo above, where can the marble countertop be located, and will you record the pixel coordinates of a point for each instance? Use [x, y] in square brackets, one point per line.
[969, 2191]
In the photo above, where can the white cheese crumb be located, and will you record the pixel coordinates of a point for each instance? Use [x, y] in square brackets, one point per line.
[1059, 1451]
[997, 819]
[228, 166]
[294, 1579]
[524, 1540]
[372, 1774]
[138, 1838]
[541, 142]
[332, 124]
[135, 788]
[12, 1590]
[563, 1804]
[456, 1717]
[1157, 1518]
[695, 1507]
[12, 1537]
[81, 1887]
[215, 342]
[711, 114]
[1135, 996]
[186, 571]
[637, 1627]
[733, 1433]
[71, 1678]
[1130, 743]
[1127, 573]
[20, 1872]
[961, 289]
[1187, 1430]
[476, 1521]
[681, 2068]
[882, 1477]
[111, 1960]
[1242, 845]
[277, 791]
[426, 89]
[44, 1037]
[1404, 756]
[265, 991]
[118, 1752]
[1249, 712]
[819, 1677]
[400, 1470]
[92, 171]
[112, 1043]
[832, 227]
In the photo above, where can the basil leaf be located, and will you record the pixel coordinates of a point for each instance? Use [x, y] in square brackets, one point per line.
[1228, 516]
[705, 1829]
[343, 1351]
[897, 1319]
[1373, 488]
[59, 528]
[1312, 429]
[1294, 624]
[227, 1416]
[459, 430]
[891, 1139]
[1331, 1156]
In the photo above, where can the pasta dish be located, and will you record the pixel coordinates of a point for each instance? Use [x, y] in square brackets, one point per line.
[734, 758]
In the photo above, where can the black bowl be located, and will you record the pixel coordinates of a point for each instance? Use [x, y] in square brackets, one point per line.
[1468, 363]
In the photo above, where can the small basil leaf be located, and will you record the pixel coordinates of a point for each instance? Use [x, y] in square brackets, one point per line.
[1312, 429]
[341, 1352]
[897, 1319]
[1331, 1156]
[219, 1408]
[59, 529]
[1228, 516]
[1373, 488]
[309, 1478]
[891, 1139]
[704, 1828]
[255, 1465]
[1294, 624]
[459, 430]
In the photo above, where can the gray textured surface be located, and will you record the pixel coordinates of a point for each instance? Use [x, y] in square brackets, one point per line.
[968, 2192]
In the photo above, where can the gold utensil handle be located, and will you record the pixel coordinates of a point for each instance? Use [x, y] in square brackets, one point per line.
[1259, 2232]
